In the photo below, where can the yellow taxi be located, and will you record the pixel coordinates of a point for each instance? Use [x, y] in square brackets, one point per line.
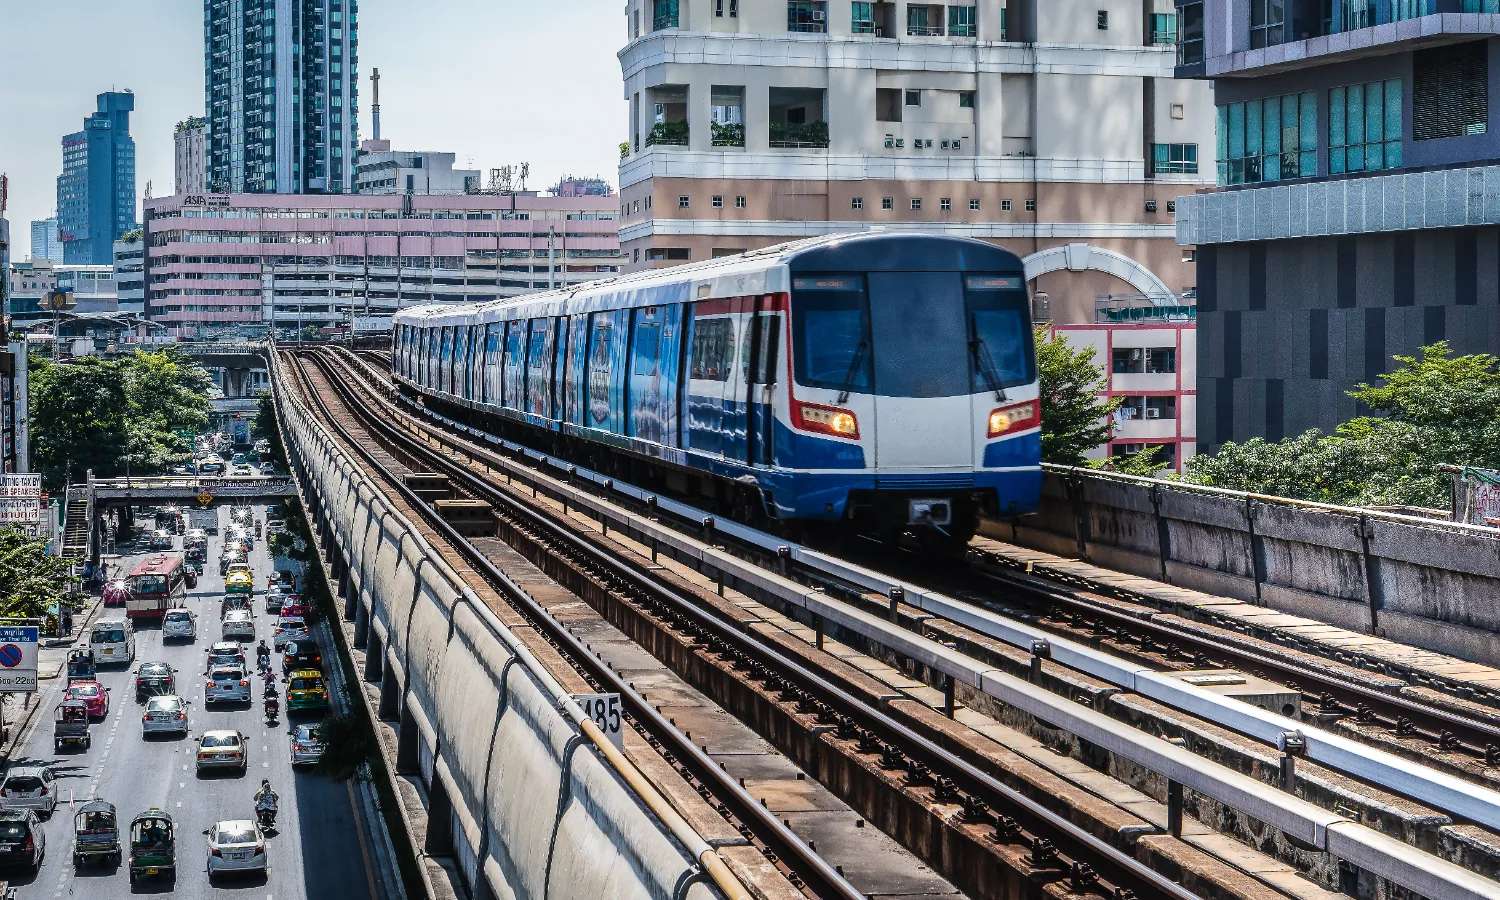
[305, 691]
[239, 580]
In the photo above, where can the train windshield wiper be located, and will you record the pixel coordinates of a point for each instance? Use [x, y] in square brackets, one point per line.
[855, 362]
[986, 364]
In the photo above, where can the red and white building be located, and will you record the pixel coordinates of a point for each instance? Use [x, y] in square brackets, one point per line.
[1152, 365]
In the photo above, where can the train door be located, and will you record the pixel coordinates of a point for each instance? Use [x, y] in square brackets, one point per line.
[578, 343]
[559, 366]
[644, 392]
[919, 326]
[476, 363]
[710, 359]
[494, 341]
[758, 372]
[733, 412]
[515, 364]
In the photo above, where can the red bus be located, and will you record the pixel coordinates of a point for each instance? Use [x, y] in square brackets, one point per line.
[157, 583]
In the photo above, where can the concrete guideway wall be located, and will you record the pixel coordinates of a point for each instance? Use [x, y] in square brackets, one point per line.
[524, 800]
[1417, 581]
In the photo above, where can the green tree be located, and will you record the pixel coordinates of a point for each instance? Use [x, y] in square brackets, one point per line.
[30, 579]
[1432, 409]
[1074, 418]
[114, 416]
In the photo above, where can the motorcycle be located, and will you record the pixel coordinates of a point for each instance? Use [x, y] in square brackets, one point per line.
[272, 703]
[265, 813]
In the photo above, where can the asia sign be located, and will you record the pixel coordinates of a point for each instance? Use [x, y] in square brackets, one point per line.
[18, 646]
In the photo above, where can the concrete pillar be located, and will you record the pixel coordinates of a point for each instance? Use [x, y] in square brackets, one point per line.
[351, 596]
[700, 114]
[390, 697]
[374, 657]
[439, 838]
[407, 761]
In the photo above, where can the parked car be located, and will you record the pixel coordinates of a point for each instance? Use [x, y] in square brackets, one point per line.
[23, 841]
[165, 714]
[227, 684]
[238, 625]
[223, 749]
[180, 624]
[307, 744]
[235, 846]
[29, 787]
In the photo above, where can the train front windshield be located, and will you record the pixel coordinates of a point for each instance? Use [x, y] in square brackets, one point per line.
[912, 334]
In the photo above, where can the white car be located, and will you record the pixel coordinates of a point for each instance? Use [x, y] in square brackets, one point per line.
[290, 628]
[29, 787]
[166, 714]
[227, 684]
[223, 748]
[235, 846]
[226, 653]
[180, 624]
[239, 625]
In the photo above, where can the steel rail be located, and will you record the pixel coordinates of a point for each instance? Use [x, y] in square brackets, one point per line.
[809, 865]
[728, 632]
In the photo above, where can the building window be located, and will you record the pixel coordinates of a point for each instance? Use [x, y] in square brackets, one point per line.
[887, 203]
[739, 202]
[734, 9]
[718, 201]
[1268, 140]
[974, 206]
[1031, 205]
[664, 14]
[965, 99]
[916, 203]
[924, 20]
[807, 15]
[648, 201]
[1174, 159]
[1266, 18]
[683, 201]
[1450, 94]
[1189, 255]
[1103, 20]
[1005, 205]
[674, 254]
[1152, 407]
[945, 204]
[1144, 361]
[1364, 127]
[856, 203]
[1163, 28]
[1190, 33]
[913, 98]
[862, 18]
[961, 21]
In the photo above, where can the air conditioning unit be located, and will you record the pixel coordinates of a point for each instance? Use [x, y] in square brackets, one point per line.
[1171, 206]
[1153, 413]
[900, 142]
[1150, 206]
[945, 143]
[890, 141]
[818, 15]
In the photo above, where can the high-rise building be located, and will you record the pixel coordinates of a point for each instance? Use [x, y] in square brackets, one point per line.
[191, 138]
[1358, 215]
[281, 86]
[1051, 127]
[129, 273]
[96, 190]
[45, 243]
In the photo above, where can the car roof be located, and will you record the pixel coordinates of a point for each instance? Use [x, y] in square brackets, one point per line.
[305, 673]
[234, 825]
[155, 664]
[27, 770]
[238, 614]
[226, 645]
[221, 732]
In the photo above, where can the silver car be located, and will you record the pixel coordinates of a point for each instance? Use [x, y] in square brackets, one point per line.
[290, 628]
[239, 625]
[307, 744]
[235, 846]
[166, 714]
[223, 749]
[227, 684]
[29, 787]
[180, 624]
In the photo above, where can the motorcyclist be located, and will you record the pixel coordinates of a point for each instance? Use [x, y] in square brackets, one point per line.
[263, 654]
[266, 802]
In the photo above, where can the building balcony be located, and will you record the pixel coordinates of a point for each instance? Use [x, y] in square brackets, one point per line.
[668, 134]
[812, 135]
[728, 134]
[1139, 429]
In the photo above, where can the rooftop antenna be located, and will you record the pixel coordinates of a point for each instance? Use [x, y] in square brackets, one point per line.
[525, 172]
[375, 107]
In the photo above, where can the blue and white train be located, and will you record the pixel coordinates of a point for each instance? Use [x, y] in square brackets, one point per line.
[886, 380]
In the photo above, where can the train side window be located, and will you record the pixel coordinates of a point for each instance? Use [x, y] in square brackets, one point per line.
[761, 344]
[712, 339]
[599, 371]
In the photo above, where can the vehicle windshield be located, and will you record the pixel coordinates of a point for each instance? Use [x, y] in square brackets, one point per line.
[307, 684]
[235, 835]
[155, 671]
[220, 740]
[308, 733]
[23, 783]
[12, 831]
[228, 675]
[163, 704]
[149, 584]
[911, 334]
[180, 615]
[83, 690]
[108, 635]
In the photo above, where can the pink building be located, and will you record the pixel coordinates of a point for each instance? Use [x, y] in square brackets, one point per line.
[1152, 366]
[248, 262]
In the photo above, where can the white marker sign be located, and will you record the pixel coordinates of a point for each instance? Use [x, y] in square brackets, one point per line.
[605, 710]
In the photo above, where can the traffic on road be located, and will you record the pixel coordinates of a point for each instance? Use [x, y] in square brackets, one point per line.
[177, 751]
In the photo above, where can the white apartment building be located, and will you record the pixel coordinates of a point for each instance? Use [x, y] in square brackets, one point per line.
[1051, 127]
[190, 155]
[130, 274]
[381, 170]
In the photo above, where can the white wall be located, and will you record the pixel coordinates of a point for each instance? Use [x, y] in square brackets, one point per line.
[1087, 117]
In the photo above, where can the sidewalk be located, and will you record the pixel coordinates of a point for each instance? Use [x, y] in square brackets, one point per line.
[52, 659]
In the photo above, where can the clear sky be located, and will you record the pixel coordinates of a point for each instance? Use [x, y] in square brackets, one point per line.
[495, 81]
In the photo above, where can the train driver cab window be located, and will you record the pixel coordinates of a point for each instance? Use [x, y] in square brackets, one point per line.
[831, 333]
[999, 317]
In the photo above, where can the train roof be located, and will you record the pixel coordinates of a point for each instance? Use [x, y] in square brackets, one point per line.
[763, 271]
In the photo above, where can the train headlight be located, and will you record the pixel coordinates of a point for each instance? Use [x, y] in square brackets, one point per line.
[827, 420]
[1014, 418]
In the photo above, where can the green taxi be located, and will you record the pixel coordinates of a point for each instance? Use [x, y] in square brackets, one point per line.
[305, 691]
